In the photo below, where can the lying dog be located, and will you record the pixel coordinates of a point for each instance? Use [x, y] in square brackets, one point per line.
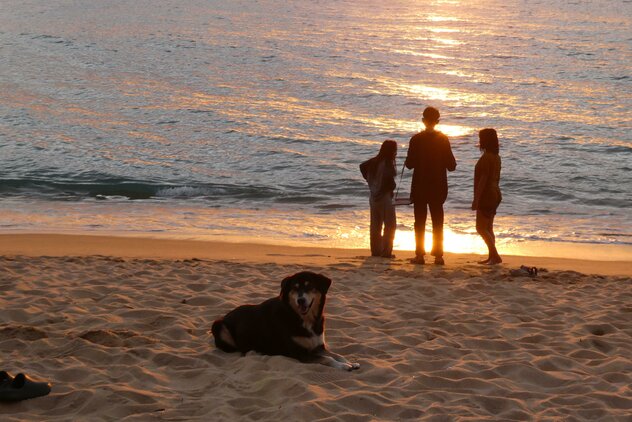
[291, 324]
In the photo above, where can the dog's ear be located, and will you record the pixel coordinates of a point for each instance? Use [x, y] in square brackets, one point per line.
[323, 283]
[286, 286]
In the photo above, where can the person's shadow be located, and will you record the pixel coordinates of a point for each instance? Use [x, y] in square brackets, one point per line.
[377, 263]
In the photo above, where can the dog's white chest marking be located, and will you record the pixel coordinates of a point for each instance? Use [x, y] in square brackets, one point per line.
[311, 342]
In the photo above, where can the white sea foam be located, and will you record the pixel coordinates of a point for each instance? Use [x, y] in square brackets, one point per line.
[182, 192]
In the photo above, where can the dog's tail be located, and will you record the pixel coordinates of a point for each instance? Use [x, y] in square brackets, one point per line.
[221, 335]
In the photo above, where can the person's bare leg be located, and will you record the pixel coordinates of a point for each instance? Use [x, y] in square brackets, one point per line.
[482, 227]
[494, 257]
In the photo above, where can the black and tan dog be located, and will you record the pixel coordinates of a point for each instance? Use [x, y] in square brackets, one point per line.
[292, 324]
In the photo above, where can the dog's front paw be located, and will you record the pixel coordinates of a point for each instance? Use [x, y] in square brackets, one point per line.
[355, 365]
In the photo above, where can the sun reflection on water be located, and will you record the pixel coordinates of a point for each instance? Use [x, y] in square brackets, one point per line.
[452, 241]
[440, 30]
[446, 95]
[447, 41]
[439, 18]
[412, 126]
[422, 54]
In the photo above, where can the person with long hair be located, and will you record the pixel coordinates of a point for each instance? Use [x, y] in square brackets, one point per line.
[487, 195]
[379, 172]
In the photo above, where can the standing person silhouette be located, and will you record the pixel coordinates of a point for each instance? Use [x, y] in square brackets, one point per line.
[429, 155]
[379, 172]
[487, 194]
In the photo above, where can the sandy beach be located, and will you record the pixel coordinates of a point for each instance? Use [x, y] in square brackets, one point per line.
[164, 162]
[120, 327]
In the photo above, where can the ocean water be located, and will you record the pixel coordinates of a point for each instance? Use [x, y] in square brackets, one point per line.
[248, 119]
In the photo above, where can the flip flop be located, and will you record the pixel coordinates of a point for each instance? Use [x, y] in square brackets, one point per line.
[21, 387]
[524, 271]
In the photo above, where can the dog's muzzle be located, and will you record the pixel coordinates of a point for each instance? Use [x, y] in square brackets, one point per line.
[303, 306]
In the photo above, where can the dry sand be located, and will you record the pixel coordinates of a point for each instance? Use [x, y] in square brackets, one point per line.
[121, 328]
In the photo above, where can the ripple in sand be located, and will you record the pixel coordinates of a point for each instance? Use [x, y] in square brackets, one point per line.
[21, 332]
[175, 361]
[115, 338]
[204, 301]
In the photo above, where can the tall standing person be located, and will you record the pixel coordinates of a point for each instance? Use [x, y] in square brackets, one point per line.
[487, 194]
[430, 156]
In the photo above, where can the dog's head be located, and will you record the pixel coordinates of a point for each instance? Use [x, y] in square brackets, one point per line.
[305, 292]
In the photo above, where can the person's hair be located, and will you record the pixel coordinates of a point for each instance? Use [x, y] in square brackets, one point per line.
[431, 114]
[388, 150]
[488, 140]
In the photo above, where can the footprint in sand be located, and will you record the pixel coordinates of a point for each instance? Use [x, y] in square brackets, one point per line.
[600, 329]
[108, 338]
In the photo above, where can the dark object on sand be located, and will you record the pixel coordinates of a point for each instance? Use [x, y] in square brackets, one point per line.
[524, 271]
[291, 324]
[21, 387]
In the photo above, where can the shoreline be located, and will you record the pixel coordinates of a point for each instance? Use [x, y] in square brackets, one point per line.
[44, 244]
[293, 227]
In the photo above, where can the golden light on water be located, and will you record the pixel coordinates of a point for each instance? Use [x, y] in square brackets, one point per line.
[315, 111]
[422, 54]
[454, 130]
[434, 93]
[446, 95]
[440, 30]
[447, 41]
[412, 126]
[452, 242]
[439, 18]
[459, 73]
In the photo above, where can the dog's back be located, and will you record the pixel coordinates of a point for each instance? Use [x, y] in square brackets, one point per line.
[265, 328]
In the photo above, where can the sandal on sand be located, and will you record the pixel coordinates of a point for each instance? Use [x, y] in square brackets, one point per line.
[21, 387]
[419, 260]
[524, 271]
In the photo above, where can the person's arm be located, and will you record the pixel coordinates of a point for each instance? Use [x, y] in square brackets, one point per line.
[364, 169]
[478, 190]
[450, 160]
[479, 185]
[410, 155]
